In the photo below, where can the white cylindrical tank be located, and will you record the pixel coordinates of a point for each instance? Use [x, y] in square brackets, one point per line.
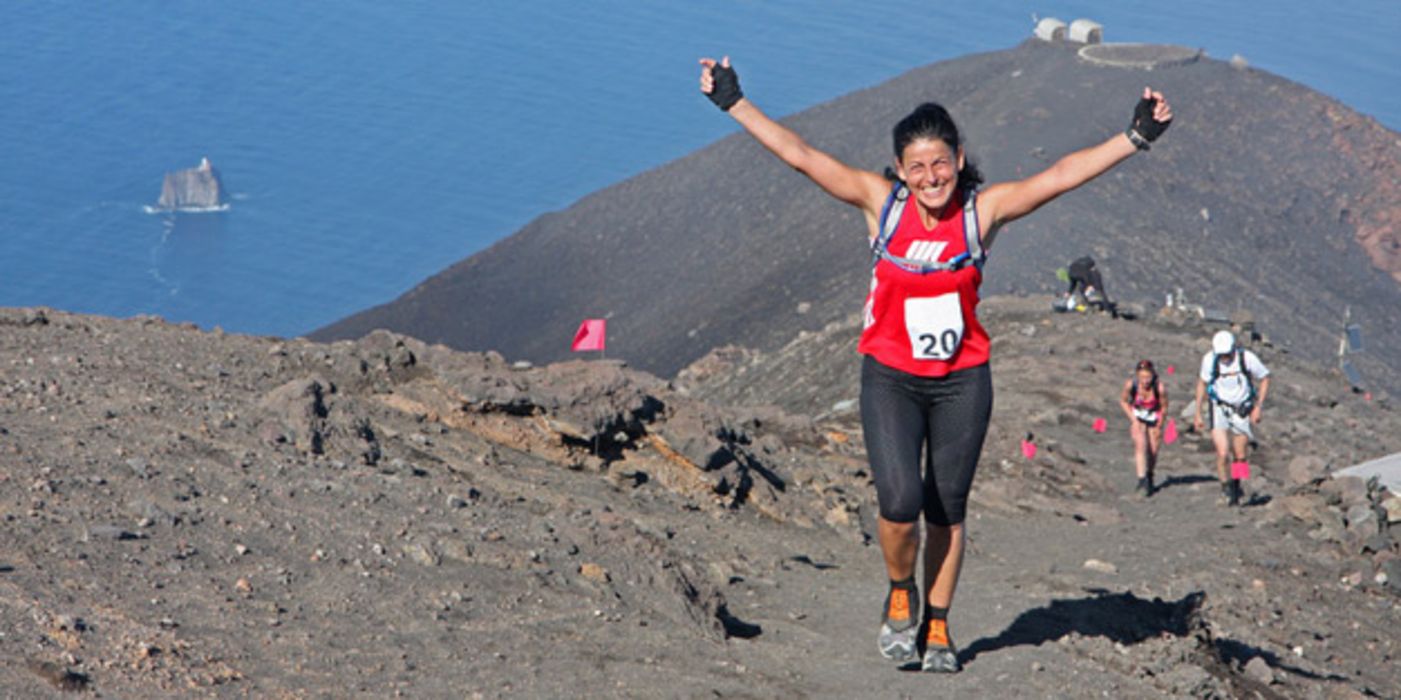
[1050, 29]
[1086, 31]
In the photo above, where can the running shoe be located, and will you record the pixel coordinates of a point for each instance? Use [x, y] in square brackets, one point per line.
[940, 655]
[898, 631]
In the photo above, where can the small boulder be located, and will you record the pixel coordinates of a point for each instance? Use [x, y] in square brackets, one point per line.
[1103, 567]
[594, 572]
[1349, 490]
[1392, 505]
[1392, 569]
[1362, 518]
[1258, 670]
[1304, 470]
[1301, 506]
[422, 554]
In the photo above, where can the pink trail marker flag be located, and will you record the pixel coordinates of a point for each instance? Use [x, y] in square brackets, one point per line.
[1240, 470]
[590, 336]
[1170, 431]
[1100, 425]
[1028, 449]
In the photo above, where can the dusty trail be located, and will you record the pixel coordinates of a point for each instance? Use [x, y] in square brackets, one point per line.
[201, 515]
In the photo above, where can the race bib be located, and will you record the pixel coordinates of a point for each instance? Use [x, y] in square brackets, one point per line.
[1145, 415]
[935, 325]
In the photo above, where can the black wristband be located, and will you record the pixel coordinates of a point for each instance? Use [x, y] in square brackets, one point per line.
[725, 92]
[1148, 128]
[1137, 139]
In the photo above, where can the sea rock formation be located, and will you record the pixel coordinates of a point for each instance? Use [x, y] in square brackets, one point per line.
[195, 188]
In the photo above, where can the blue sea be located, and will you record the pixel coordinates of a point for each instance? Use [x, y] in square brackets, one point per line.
[369, 145]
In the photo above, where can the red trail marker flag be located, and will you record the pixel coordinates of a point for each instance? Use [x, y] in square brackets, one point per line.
[590, 335]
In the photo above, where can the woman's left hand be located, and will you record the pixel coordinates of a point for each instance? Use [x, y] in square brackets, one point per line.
[1152, 115]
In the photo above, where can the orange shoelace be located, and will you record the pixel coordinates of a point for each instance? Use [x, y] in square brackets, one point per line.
[899, 605]
[938, 635]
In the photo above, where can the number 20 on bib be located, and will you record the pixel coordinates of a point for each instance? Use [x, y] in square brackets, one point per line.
[935, 325]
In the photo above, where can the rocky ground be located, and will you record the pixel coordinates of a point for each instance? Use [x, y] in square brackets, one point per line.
[187, 513]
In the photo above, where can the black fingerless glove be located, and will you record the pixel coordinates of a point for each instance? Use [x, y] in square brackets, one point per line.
[1144, 129]
[726, 92]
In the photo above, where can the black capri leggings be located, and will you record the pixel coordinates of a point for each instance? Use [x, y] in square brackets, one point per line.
[945, 417]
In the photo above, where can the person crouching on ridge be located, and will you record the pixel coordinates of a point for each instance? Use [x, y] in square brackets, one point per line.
[926, 390]
[1145, 402]
[1235, 381]
[1088, 285]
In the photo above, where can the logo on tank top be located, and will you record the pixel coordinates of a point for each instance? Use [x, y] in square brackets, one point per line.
[925, 251]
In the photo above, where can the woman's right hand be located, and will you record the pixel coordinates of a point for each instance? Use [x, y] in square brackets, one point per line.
[859, 188]
[720, 83]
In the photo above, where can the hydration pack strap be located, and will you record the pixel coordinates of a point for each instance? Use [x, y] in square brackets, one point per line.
[1245, 374]
[890, 220]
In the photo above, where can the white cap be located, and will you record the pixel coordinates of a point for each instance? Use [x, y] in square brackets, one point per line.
[1223, 342]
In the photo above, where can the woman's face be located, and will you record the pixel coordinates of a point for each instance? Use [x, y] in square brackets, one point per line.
[930, 169]
[1145, 378]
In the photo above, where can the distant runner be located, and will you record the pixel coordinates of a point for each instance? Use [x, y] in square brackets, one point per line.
[925, 383]
[1145, 401]
[1235, 381]
[1086, 285]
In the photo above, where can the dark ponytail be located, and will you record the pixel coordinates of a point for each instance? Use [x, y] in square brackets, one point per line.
[931, 121]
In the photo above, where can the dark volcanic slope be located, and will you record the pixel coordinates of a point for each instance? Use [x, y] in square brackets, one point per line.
[1257, 200]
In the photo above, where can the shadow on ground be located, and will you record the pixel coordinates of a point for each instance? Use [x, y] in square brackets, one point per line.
[1121, 617]
[1127, 619]
[1184, 480]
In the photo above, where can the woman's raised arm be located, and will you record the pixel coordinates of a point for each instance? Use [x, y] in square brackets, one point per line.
[1009, 201]
[860, 188]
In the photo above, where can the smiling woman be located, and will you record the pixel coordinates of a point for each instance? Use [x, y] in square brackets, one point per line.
[929, 155]
[926, 388]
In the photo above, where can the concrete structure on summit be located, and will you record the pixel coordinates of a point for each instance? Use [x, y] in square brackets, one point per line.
[1083, 31]
[1086, 31]
[1050, 29]
[1091, 34]
[198, 188]
[1143, 56]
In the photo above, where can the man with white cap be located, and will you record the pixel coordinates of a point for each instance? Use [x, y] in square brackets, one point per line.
[1235, 381]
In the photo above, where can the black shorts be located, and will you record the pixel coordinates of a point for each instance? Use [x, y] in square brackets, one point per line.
[944, 419]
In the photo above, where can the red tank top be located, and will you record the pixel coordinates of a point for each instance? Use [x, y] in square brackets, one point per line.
[1147, 401]
[925, 324]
